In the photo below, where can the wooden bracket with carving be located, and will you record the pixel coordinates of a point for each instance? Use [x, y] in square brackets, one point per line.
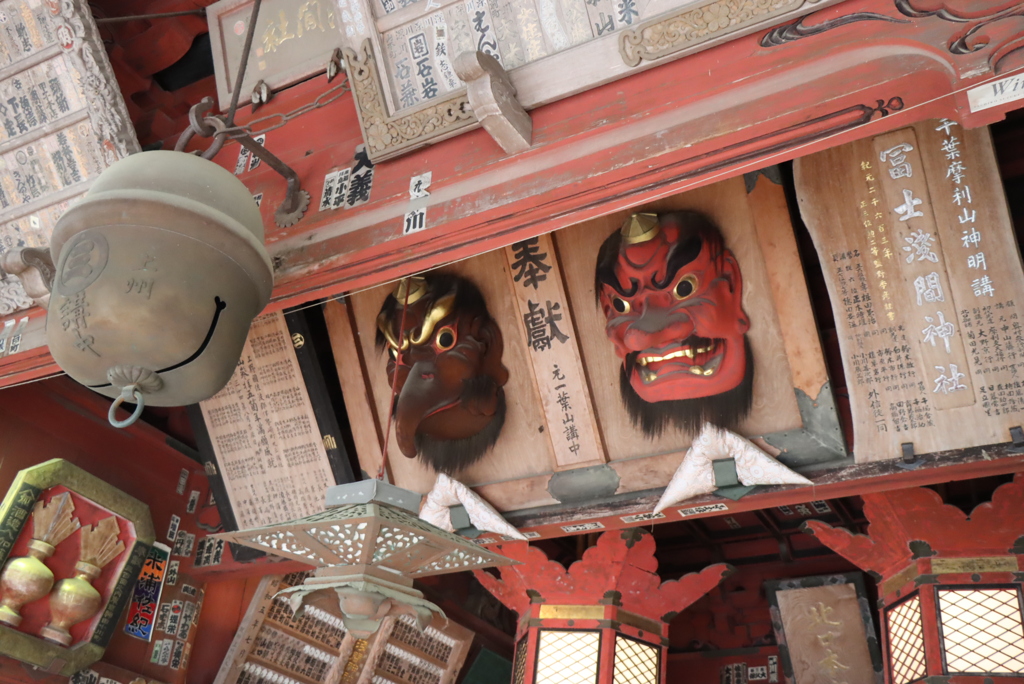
[34, 268]
[493, 100]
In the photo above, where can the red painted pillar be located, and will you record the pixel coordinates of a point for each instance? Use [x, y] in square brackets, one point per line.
[932, 644]
[607, 656]
[609, 610]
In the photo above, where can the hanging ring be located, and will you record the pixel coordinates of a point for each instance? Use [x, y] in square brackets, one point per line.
[127, 394]
[218, 130]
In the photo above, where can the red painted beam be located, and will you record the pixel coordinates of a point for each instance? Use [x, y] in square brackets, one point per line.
[842, 482]
[730, 109]
[734, 108]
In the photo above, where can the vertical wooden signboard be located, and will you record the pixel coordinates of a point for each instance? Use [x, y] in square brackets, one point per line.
[264, 434]
[925, 277]
[62, 118]
[536, 281]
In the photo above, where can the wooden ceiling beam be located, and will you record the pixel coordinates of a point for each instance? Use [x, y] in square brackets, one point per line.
[945, 466]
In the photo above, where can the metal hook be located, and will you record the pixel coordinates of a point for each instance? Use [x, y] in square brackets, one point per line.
[197, 117]
[128, 393]
[296, 200]
[205, 126]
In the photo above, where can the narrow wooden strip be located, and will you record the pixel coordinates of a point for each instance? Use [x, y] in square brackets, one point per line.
[355, 385]
[251, 624]
[770, 212]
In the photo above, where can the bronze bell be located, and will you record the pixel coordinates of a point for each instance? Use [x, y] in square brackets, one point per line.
[160, 270]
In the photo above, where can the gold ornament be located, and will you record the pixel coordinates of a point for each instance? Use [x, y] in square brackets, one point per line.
[640, 228]
[74, 599]
[26, 579]
[415, 286]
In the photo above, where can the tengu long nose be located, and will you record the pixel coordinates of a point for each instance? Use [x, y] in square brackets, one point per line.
[421, 394]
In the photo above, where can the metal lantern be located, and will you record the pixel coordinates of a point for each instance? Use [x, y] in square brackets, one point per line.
[368, 547]
[604, 620]
[160, 270]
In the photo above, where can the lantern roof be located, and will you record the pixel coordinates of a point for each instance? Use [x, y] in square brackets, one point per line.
[376, 527]
[908, 524]
[620, 569]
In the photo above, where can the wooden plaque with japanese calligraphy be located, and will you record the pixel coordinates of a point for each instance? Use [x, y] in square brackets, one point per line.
[269, 450]
[567, 436]
[554, 353]
[401, 52]
[270, 636]
[825, 624]
[293, 41]
[924, 274]
[62, 122]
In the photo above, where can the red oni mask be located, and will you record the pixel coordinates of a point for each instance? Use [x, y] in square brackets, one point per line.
[672, 295]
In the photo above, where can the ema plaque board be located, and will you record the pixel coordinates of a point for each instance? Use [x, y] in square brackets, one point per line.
[62, 118]
[925, 279]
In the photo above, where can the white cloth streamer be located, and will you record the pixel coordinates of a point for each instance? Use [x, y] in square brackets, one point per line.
[695, 475]
[448, 492]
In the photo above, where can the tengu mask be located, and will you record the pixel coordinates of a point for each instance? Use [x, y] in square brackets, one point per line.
[445, 365]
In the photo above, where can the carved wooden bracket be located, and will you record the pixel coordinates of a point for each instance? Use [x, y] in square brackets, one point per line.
[620, 567]
[906, 524]
[34, 268]
[12, 296]
[493, 100]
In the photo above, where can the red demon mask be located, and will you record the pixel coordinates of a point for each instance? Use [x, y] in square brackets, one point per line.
[672, 295]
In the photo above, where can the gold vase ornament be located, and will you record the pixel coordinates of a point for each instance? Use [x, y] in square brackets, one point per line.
[74, 599]
[26, 579]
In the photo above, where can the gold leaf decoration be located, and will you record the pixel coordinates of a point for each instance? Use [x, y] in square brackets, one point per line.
[100, 544]
[355, 662]
[52, 522]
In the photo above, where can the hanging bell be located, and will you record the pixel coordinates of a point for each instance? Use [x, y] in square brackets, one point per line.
[160, 270]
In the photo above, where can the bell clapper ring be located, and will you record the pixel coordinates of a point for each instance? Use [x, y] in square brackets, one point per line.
[128, 393]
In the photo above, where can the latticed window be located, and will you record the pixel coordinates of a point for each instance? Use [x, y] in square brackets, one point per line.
[568, 657]
[982, 631]
[519, 666]
[906, 641]
[635, 662]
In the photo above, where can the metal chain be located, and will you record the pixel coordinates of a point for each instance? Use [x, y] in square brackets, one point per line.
[325, 98]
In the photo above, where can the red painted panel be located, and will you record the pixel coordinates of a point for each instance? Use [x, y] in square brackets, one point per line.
[60, 419]
[225, 604]
[36, 615]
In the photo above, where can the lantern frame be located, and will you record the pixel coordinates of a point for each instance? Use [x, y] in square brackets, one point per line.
[368, 546]
[922, 646]
[942, 621]
[528, 655]
[933, 629]
[613, 626]
[614, 590]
